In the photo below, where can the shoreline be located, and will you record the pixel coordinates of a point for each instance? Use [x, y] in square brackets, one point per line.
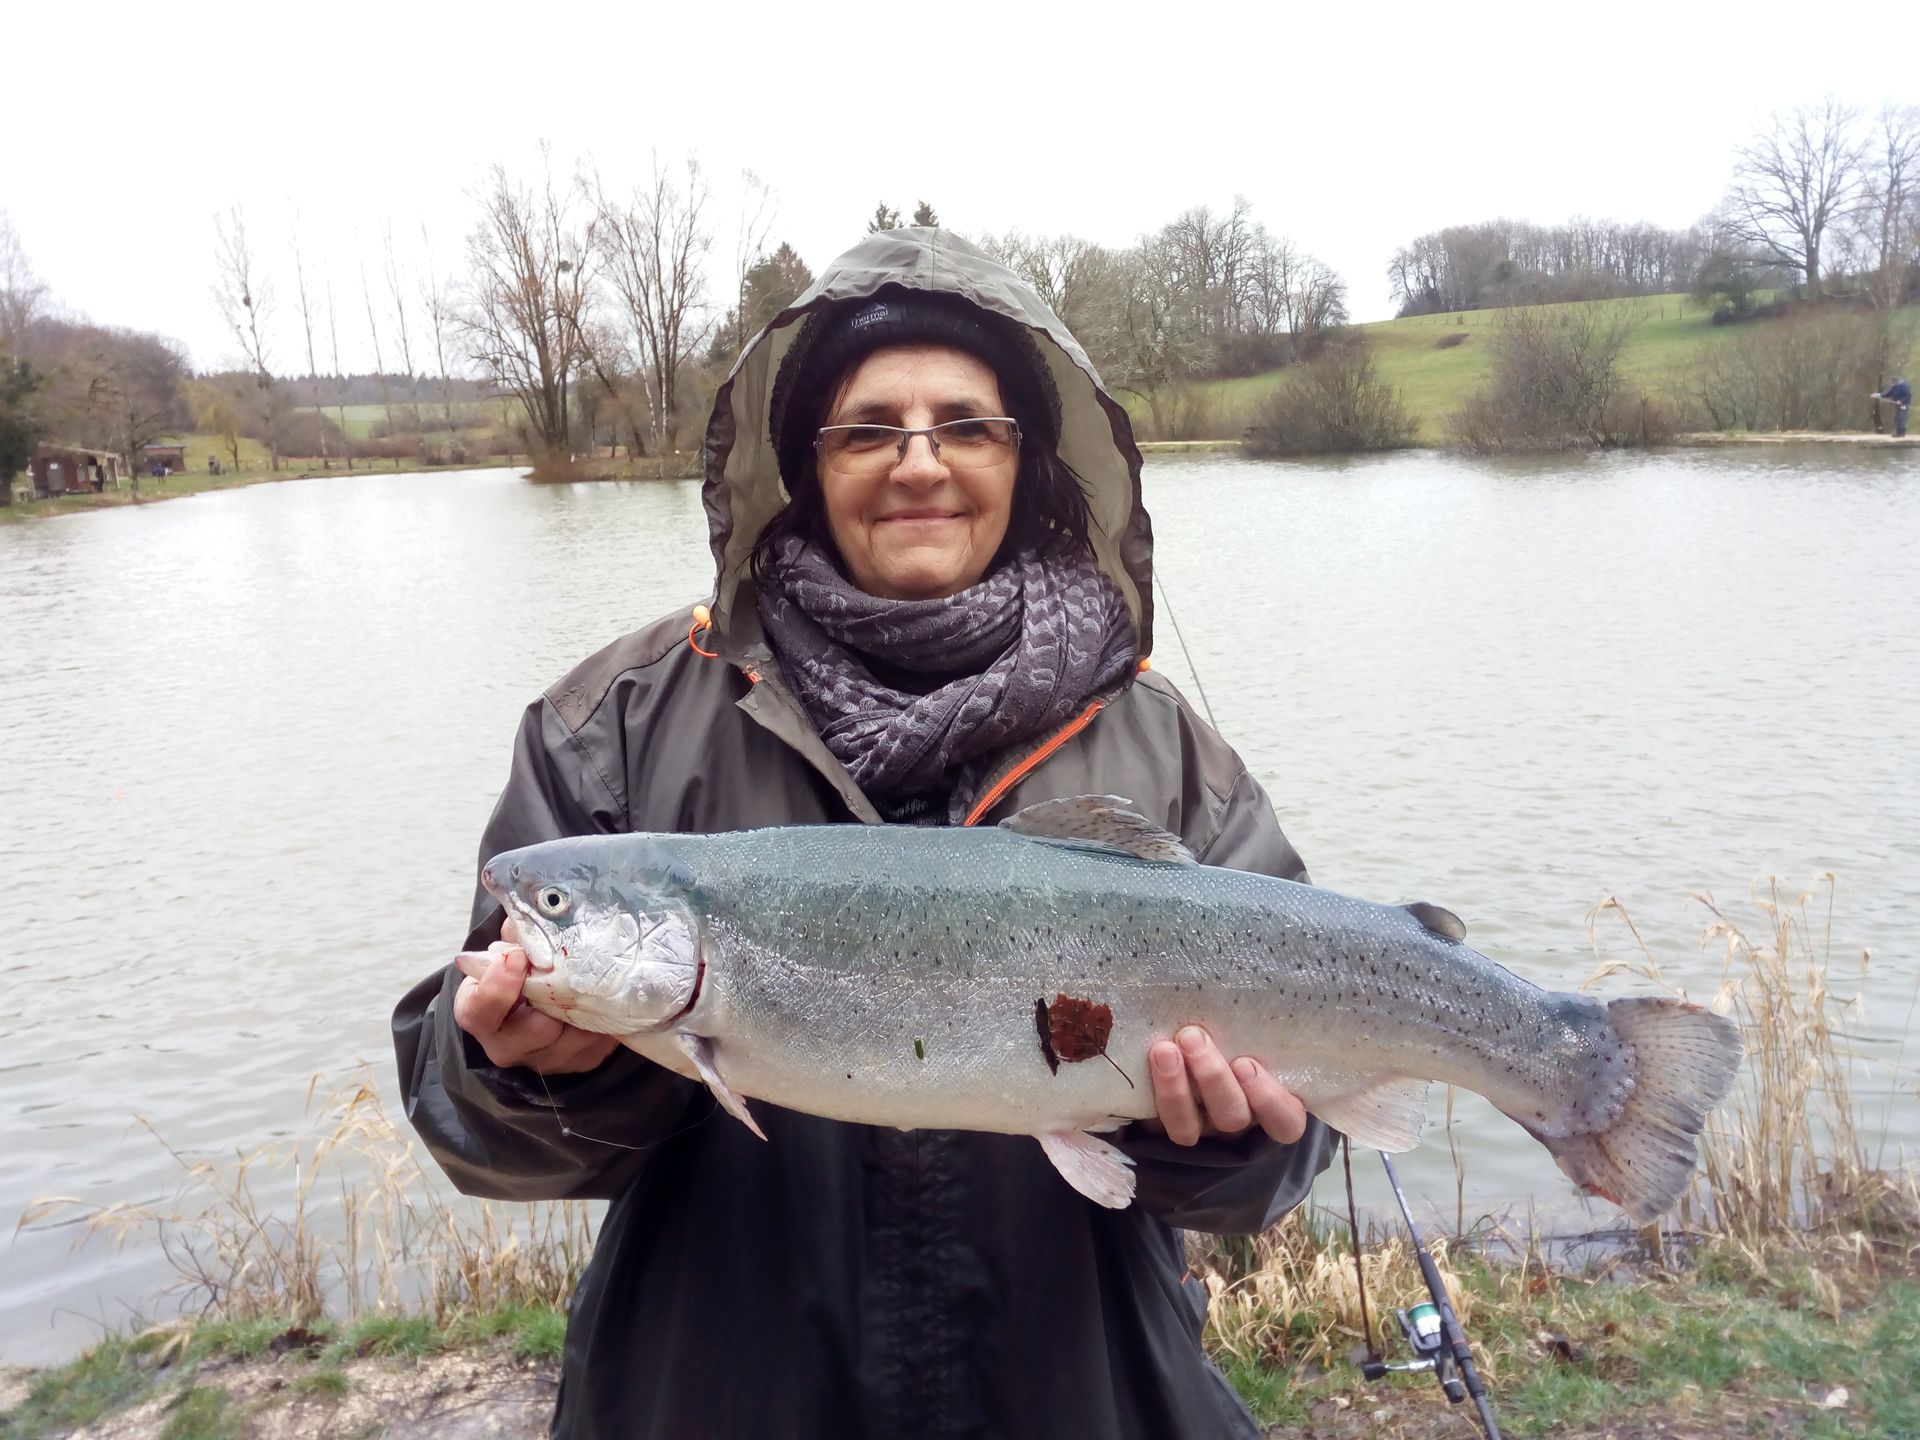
[685, 466]
[185, 486]
[1590, 1353]
[1707, 438]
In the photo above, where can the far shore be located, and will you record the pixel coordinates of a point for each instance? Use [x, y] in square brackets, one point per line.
[149, 490]
[686, 465]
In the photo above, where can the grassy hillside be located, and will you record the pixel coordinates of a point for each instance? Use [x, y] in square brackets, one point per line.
[253, 453]
[363, 420]
[1435, 373]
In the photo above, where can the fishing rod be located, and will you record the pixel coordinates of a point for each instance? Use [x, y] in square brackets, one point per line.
[1433, 1331]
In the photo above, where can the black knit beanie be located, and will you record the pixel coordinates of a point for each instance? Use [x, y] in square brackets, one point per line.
[833, 341]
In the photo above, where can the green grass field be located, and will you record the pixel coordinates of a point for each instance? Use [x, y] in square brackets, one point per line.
[363, 420]
[1434, 379]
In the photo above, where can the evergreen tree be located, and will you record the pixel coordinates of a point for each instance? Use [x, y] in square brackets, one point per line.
[20, 424]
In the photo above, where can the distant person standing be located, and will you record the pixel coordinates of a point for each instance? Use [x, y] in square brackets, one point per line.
[1901, 394]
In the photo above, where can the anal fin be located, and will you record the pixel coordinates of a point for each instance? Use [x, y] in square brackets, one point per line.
[1385, 1114]
[1101, 1172]
[700, 1050]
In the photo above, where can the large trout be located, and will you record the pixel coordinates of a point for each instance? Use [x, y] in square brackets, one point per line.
[1011, 979]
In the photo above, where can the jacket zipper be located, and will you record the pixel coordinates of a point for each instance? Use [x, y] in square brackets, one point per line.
[1019, 772]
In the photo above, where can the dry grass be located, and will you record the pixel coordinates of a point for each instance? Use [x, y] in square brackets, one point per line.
[369, 1230]
[1792, 1156]
[1291, 1296]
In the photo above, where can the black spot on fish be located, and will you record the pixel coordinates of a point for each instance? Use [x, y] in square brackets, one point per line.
[1045, 1027]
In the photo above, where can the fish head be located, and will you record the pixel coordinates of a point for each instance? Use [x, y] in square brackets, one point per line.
[613, 952]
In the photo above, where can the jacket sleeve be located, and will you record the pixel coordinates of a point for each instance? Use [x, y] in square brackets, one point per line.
[503, 1133]
[1242, 1185]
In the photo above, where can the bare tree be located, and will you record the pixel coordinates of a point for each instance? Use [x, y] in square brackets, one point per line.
[527, 300]
[433, 295]
[1890, 202]
[1292, 294]
[22, 296]
[246, 301]
[758, 210]
[139, 388]
[651, 249]
[1793, 184]
[306, 322]
[1152, 340]
[379, 360]
[1061, 269]
[617, 371]
[339, 399]
[397, 293]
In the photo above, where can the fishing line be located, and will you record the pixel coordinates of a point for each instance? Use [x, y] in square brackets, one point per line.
[1166, 604]
[572, 1134]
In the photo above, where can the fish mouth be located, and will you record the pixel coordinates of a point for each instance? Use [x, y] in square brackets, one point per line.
[535, 939]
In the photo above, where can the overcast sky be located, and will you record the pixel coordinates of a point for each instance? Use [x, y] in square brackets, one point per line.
[1352, 131]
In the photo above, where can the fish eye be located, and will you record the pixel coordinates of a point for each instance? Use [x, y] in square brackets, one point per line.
[552, 899]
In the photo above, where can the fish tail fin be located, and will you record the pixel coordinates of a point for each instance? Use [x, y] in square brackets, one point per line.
[1685, 1060]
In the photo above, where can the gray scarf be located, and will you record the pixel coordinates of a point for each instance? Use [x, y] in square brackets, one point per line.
[915, 697]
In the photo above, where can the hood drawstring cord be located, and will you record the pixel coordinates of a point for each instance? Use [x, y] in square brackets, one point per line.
[702, 620]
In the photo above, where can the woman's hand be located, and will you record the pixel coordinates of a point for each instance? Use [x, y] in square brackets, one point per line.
[489, 1008]
[1198, 1093]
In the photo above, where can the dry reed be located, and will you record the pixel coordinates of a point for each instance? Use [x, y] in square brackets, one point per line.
[368, 1229]
[1790, 1157]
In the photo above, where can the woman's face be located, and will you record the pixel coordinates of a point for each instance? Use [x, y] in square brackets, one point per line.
[918, 529]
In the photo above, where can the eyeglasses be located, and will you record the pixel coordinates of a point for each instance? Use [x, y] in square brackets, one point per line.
[964, 444]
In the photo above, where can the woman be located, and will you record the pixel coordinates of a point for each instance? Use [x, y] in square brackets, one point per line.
[933, 583]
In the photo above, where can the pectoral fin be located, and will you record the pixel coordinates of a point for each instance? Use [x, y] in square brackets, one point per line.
[1387, 1114]
[700, 1050]
[1101, 1172]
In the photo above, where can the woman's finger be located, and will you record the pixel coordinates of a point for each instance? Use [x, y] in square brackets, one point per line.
[1214, 1082]
[1276, 1109]
[482, 1005]
[1173, 1094]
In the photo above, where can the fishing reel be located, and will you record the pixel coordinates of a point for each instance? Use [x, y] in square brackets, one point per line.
[1427, 1339]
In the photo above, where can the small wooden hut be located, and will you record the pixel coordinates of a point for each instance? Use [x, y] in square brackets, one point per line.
[72, 469]
[160, 460]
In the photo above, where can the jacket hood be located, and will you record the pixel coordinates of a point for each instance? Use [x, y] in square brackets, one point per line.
[742, 491]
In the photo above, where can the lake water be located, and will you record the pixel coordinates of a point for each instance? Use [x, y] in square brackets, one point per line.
[248, 742]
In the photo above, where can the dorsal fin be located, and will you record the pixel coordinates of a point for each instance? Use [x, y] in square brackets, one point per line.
[1443, 923]
[1099, 822]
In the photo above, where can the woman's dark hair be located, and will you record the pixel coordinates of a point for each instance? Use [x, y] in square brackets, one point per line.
[1049, 515]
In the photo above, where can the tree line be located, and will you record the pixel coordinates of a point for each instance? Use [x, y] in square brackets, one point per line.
[60, 377]
[1823, 194]
[589, 305]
